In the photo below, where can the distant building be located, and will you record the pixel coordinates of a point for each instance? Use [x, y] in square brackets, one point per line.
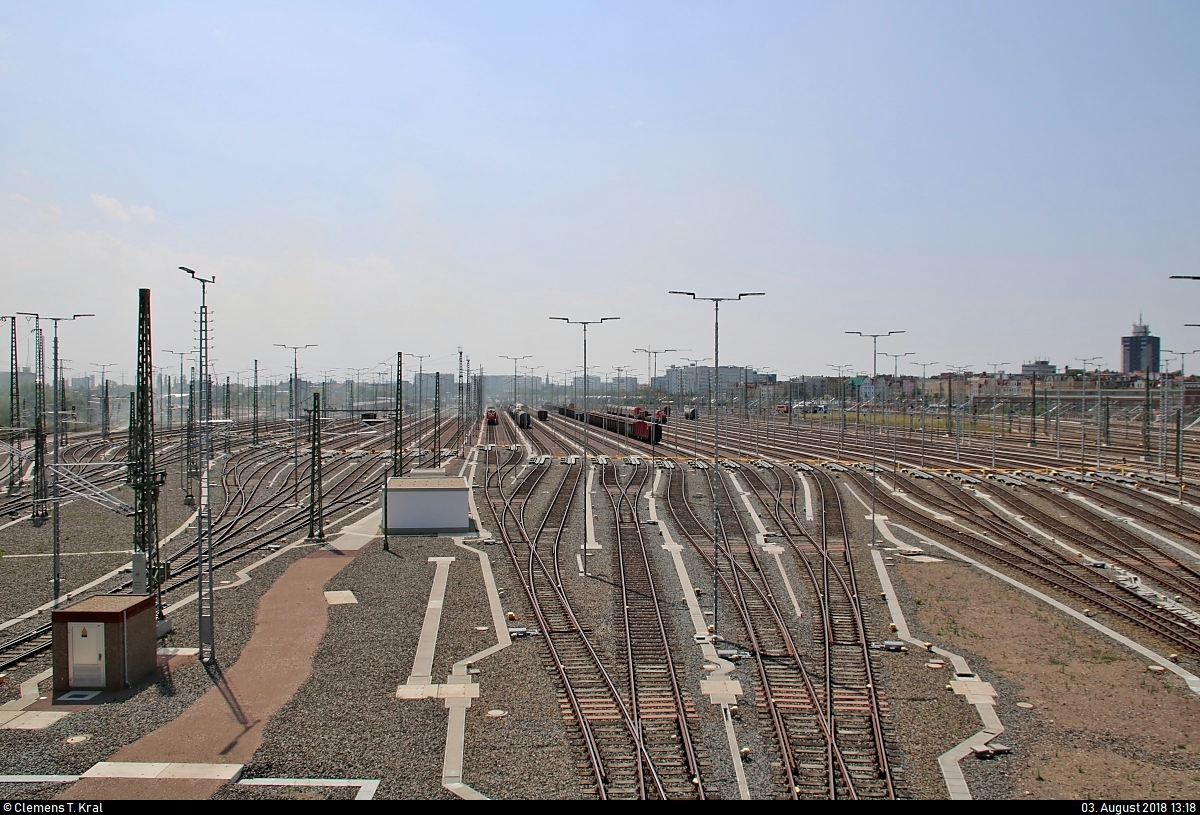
[1140, 352]
[1038, 368]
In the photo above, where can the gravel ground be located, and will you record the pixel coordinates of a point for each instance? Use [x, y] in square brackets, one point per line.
[26, 582]
[113, 726]
[1101, 724]
[346, 721]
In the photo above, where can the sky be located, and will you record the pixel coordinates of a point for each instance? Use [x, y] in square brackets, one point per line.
[1001, 181]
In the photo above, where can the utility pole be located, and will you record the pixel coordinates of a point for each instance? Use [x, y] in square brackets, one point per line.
[40, 492]
[397, 429]
[254, 432]
[104, 413]
[874, 432]
[958, 425]
[437, 419]
[57, 408]
[149, 573]
[995, 389]
[924, 404]
[1083, 413]
[716, 301]
[652, 372]
[1033, 414]
[204, 553]
[316, 496]
[14, 409]
[184, 418]
[420, 406]
[514, 362]
[586, 458]
[460, 432]
[293, 402]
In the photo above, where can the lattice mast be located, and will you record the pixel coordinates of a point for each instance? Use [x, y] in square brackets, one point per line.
[398, 419]
[254, 432]
[437, 419]
[41, 493]
[14, 410]
[189, 470]
[204, 550]
[316, 499]
[458, 433]
[149, 572]
[204, 520]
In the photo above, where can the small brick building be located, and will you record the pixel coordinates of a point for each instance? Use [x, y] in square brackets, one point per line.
[107, 642]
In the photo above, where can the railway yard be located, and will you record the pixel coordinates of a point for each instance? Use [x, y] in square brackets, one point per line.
[1006, 623]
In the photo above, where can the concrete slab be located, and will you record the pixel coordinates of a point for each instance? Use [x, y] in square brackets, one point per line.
[458, 691]
[727, 686]
[340, 598]
[161, 769]
[438, 691]
[125, 769]
[358, 534]
[217, 772]
[974, 688]
[416, 691]
[34, 720]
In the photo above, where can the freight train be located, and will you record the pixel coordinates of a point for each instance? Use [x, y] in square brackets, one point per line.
[520, 416]
[628, 411]
[640, 429]
[638, 412]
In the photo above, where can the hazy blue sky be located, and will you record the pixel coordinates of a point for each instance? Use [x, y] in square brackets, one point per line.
[1002, 180]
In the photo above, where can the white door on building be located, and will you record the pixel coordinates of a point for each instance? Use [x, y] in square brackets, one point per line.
[86, 654]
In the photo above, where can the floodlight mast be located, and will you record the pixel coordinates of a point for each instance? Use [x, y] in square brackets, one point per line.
[1083, 410]
[924, 403]
[294, 415]
[995, 403]
[874, 429]
[515, 360]
[716, 301]
[587, 461]
[652, 374]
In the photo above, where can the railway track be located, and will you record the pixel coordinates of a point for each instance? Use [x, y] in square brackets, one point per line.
[623, 759]
[1030, 558]
[850, 691]
[255, 511]
[661, 711]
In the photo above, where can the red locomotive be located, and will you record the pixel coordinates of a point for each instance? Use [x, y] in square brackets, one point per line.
[492, 418]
